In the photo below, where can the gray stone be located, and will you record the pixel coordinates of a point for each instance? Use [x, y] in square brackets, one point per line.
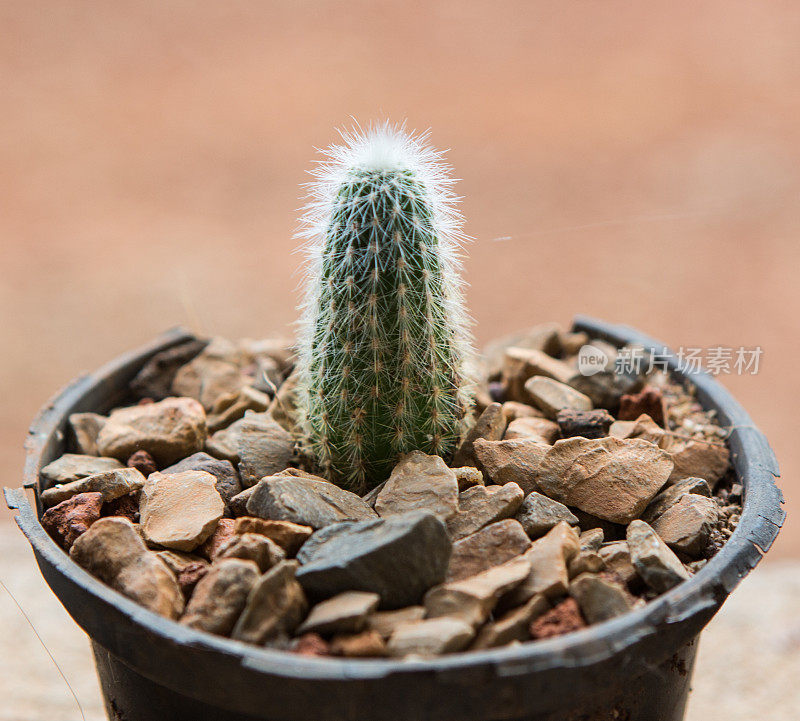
[490, 546]
[399, 558]
[599, 598]
[72, 467]
[214, 373]
[307, 501]
[220, 596]
[608, 477]
[482, 505]
[472, 599]
[657, 565]
[538, 514]
[230, 408]
[687, 524]
[345, 613]
[154, 380]
[672, 494]
[513, 626]
[550, 396]
[592, 539]
[113, 551]
[586, 424]
[168, 430]
[617, 558]
[533, 428]
[252, 547]
[275, 607]
[515, 461]
[228, 483]
[238, 503]
[180, 510]
[490, 426]
[418, 482]
[431, 637]
[112, 484]
[84, 428]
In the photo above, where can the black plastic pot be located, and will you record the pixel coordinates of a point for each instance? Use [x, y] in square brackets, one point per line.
[633, 668]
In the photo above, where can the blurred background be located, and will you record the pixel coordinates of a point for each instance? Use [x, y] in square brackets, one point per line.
[639, 162]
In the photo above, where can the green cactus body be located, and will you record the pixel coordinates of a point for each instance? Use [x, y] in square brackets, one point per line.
[384, 353]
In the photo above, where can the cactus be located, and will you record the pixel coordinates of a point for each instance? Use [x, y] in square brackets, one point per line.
[385, 347]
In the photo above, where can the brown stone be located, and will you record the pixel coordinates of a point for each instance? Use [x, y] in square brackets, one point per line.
[344, 613]
[214, 373]
[311, 644]
[586, 424]
[592, 539]
[543, 337]
[232, 407]
[113, 551]
[275, 607]
[85, 427]
[617, 559]
[687, 524]
[467, 477]
[532, 428]
[124, 506]
[672, 494]
[110, 484]
[490, 546]
[515, 461]
[550, 396]
[72, 467]
[563, 618]
[142, 461]
[520, 364]
[513, 626]
[289, 536]
[385, 622]
[264, 552]
[657, 565]
[490, 426]
[155, 378]
[649, 400]
[69, 519]
[238, 502]
[607, 477]
[709, 460]
[180, 510]
[481, 505]
[644, 428]
[599, 598]
[223, 532]
[514, 410]
[220, 596]
[419, 481]
[585, 562]
[431, 637]
[367, 644]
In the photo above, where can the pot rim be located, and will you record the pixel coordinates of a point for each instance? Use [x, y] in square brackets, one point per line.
[762, 517]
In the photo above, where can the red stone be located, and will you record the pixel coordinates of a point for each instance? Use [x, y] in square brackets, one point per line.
[311, 644]
[564, 618]
[144, 462]
[649, 400]
[125, 506]
[189, 576]
[69, 519]
[224, 531]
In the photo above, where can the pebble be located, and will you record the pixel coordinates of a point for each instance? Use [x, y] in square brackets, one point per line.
[617, 559]
[84, 428]
[687, 524]
[472, 599]
[700, 459]
[563, 618]
[644, 428]
[180, 510]
[515, 461]
[306, 501]
[344, 613]
[385, 622]
[72, 467]
[513, 626]
[672, 494]
[657, 565]
[482, 505]
[169, 430]
[289, 536]
[490, 546]
[399, 558]
[113, 551]
[220, 596]
[431, 637]
[367, 644]
[551, 396]
[548, 558]
[608, 477]
[599, 598]
[586, 424]
[649, 401]
[155, 378]
[111, 484]
[69, 519]
[419, 481]
[252, 547]
[520, 364]
[275, 607]
[227, 479]
[540, 430]
[467, 477]
[538, 514]
[490, 426]
[143, 462]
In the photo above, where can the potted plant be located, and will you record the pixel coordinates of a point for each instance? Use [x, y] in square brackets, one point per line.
[381, 527]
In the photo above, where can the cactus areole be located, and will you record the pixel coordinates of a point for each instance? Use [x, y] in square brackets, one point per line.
[385, 344]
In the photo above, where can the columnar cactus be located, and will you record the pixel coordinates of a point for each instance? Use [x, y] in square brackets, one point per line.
[385, 348]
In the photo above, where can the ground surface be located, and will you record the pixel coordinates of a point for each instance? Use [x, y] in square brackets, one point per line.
[748, 665]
